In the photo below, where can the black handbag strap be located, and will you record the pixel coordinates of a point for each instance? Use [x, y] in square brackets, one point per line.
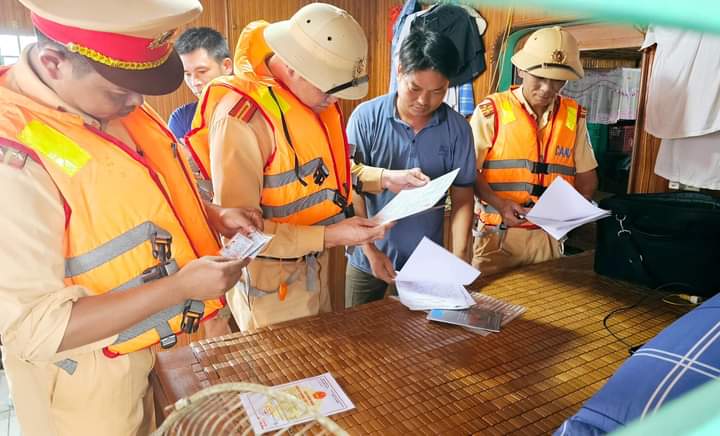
[630, 251]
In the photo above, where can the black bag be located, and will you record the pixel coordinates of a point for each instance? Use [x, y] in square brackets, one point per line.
[662, 240]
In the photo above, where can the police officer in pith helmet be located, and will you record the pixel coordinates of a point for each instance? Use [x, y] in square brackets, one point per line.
[525, 138]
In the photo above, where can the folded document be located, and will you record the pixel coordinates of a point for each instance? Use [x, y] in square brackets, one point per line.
[561, 208]
[433, 278]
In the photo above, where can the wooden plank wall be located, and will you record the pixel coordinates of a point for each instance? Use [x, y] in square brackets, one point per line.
[214, 15]
[646, 146]
[372, 15]
[231, 16]
[14, 18]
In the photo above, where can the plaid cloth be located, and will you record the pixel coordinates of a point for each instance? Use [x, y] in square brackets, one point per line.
[682, 357]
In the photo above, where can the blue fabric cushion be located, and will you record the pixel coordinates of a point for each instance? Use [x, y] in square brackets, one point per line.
[682, 357]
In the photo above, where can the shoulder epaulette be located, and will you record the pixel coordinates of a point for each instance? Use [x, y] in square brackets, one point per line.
[244, 109]
[487, 108]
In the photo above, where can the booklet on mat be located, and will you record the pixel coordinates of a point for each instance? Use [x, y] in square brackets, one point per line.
[321, 394]
[474, 318]
[509, 311]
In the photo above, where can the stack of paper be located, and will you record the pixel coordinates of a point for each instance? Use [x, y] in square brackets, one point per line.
[413, 201]
[561, 208]
[242, 247]
[433, 278]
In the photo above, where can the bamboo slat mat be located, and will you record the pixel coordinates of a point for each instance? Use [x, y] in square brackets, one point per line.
[409, 376]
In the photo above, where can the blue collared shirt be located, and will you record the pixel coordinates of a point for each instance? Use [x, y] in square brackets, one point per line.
[384, 140]
[181, 119]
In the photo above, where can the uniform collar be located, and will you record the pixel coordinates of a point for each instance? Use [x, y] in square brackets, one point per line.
[24, 80]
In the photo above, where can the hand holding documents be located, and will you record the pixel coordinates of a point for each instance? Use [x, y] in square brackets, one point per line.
[414, 201]
[433, 278]
[561, 208]
[242, 247]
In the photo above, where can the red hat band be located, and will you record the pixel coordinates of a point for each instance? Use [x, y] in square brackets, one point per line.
[112, 49]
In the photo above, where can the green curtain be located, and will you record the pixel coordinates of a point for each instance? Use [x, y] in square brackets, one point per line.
[703, 15]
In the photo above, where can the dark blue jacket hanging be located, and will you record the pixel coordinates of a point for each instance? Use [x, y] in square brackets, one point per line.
[455, 23]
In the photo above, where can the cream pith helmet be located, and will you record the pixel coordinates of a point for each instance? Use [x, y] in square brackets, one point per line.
[551, 53]
[326, 46]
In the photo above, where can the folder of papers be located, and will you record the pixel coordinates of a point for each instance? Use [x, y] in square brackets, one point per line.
[561, 208]
[433, 278]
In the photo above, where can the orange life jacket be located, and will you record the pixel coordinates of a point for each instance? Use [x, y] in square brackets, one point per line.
[131, 217]
[307, 179]
[520, 165]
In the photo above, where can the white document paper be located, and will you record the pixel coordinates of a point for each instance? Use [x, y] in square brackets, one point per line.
[321, 393]
[433, 278]
[417, 200]
[561, 208]
[242, 247]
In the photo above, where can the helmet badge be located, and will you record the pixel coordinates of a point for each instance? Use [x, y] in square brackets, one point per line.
[162, 39]
[359, 69]
[558, 56]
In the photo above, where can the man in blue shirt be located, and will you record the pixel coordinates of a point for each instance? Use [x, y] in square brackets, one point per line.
[412, 128]
[205, 56]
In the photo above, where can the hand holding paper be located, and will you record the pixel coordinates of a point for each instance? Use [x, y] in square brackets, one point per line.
[413, 201]
[241, 246]
[561, 208]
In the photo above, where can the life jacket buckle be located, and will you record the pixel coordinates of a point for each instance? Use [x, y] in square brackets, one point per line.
[340, 201]
[161, 247]
[155, 272]
[192, 314]
[537, 190]
[539, 168]
[168, 341]
[321, 173]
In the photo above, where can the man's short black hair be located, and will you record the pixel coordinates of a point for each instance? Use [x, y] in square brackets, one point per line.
[203, 37]
[425, 49]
